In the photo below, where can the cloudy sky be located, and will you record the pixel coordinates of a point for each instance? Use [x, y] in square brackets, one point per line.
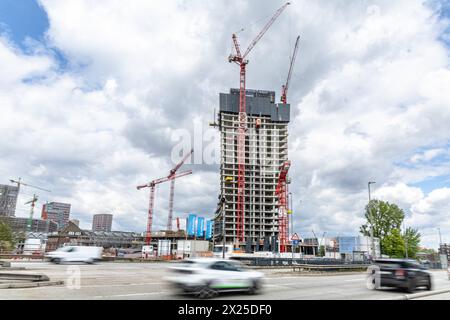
[92, 95]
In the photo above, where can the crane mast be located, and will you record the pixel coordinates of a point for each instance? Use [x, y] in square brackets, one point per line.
[172, 188]
[239, 59]
[282, 203]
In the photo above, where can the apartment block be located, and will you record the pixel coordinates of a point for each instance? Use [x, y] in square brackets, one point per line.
[102, 222]
[8, 200]
[57, 212]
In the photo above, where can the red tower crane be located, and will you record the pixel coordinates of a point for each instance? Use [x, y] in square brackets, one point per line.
[152, 185]
[282, 203]
[240, 60]
[171, 177]
[285, 87]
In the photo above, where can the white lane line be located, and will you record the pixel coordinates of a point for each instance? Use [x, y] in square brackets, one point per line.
[131, 294]
[352, 280]
[98, 285]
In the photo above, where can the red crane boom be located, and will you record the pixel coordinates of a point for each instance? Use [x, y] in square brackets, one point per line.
[151, 185]
[280, 191]
[285, 87]
[240, 60]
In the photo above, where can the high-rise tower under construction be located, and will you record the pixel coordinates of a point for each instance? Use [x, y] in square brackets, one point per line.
[266, 149]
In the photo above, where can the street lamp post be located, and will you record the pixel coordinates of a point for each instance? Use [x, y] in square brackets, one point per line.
[292, 224]
[222, 200]
[371, 222]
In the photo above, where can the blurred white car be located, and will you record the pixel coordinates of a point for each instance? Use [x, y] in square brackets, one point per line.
[206, 277]
[75, 254]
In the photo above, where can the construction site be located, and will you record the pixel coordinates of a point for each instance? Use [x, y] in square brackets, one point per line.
[253, 209]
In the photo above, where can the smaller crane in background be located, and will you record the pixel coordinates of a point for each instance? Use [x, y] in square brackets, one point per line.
[32, 201]
[285, 87]
[152, 186]
[171, 177]
[20, 183]
[30, 219]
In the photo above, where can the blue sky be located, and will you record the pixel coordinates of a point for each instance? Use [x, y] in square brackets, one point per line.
[23, 18]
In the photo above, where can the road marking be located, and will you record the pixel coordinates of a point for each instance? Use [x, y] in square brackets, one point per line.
[352, 280]
[131, 294]
[101, 285]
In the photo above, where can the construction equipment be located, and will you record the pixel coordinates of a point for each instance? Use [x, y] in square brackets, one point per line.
[285, 87]
[240, 60]
[171, 177]
[32, 201]
[280, 192]
[30, 219]
[20, 183]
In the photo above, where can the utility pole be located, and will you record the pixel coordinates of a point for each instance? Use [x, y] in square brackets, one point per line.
[406, 242]
[371, 222]
[440, 240]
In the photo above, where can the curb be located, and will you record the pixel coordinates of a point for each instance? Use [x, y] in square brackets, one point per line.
[420, 295]
[20, 285]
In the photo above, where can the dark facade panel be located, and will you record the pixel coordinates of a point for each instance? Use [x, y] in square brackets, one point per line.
[258, 103]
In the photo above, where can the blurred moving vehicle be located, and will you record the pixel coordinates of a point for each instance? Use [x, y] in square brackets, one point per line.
[129, 253]
[207, 277]
[34, 246]
[406, 274]
[75, 254]
[448, 272]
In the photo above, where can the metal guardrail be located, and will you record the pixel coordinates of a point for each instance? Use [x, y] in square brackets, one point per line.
[288, 262]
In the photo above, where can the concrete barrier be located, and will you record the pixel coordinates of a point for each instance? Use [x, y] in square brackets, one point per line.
[21, 285]
[23, 277]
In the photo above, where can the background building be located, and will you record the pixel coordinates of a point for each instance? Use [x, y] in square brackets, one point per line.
[102, 222]
[8, 200]
[266, 149]
[38, 225]
[57, 212]
[75, 222]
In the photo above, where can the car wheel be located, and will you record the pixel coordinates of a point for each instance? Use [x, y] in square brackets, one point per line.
[371, 282]
[57, 260]
[410, 286]
[255, 287]
[207, 292]
[429, 285]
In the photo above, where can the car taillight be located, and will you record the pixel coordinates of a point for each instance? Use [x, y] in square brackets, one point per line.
[400, 273]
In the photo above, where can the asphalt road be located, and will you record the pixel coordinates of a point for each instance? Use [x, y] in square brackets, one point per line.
[145, 281]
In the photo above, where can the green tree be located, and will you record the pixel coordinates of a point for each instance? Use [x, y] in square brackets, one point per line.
[384, 217]
[412, 239]
[322, 251]
[393, 244]
[6, 237]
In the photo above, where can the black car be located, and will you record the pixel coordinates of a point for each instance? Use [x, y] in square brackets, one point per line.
[399, 273]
